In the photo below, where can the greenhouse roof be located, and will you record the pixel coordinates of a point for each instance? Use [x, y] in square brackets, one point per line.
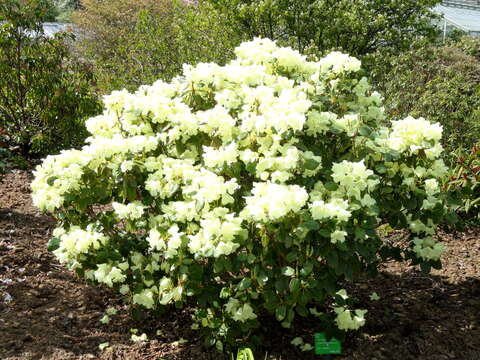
[51, 28]
[465, 19]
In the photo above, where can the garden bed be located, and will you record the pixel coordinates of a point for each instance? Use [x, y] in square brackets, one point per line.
[47, 313]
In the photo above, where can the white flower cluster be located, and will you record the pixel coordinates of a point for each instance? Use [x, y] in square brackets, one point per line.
[412, 135]
[337, 62]
[271, 202]
[77, 241]
[353, 178]
[211, 164]
[130, 211]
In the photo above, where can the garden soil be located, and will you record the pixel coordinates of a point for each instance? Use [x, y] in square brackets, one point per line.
[46, 312]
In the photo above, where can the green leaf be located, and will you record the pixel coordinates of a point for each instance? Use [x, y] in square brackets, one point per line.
[382, 169]
[333, 260]
[292, 256]
[359, 233]
[307, 268]
[53, 244]
[199, 204]
[451, 218]
[425, 267]
[411, 203]
[311, 225]
[365, 131]
[281, 285]
[195, 272]
[325, 233]
[331, 186]
[51, 180]
[244, 284]
[245, 354]
[130, 188]
[302, 310]
[280, 312]
[311, 164]
[180, 147]
[295, 285]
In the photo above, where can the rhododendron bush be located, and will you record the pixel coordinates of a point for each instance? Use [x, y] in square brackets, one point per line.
[251, 188]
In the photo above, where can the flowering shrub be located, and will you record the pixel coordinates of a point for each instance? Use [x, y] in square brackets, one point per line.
[248, 188]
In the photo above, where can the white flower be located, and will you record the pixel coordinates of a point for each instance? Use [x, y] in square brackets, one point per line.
[431, 186]
[348, 320]
[127, 165]
[219, 157]
[145, 298]
[130, 211]
[353, 178]
[338, 236]
[337, 62]
[240, 312]
[336, 208]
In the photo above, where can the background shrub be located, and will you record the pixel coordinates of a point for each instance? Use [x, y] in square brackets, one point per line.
[44, 93]
[442, 84]
[132, 42]
[464, 182]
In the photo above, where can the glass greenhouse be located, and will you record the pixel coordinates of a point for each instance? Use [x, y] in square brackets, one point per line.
[461, 15]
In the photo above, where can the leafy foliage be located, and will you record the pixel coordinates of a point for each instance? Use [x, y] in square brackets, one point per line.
[357, 27]
[469, 45]
[135, 42]
[65, 9]
[245, 354]
[443, 84]
[247, 189]
[44, 94]
[465, 181]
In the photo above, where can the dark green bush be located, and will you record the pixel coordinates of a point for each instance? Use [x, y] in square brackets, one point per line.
[441, 84]
[44, 93]
[464, 181]
[135, 42]
[469, 45]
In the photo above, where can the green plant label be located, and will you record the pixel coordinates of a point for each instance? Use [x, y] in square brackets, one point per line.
[324, 347]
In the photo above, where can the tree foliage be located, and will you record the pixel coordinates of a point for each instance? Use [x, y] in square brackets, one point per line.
[135, 42]
[44, 94]
[358, 27]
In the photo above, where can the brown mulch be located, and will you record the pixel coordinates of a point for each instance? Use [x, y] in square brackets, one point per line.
[46, 312]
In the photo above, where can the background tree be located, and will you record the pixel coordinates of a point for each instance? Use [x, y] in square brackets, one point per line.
[65, 9]
[44, 94]
[358, 27]
[133, 42]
